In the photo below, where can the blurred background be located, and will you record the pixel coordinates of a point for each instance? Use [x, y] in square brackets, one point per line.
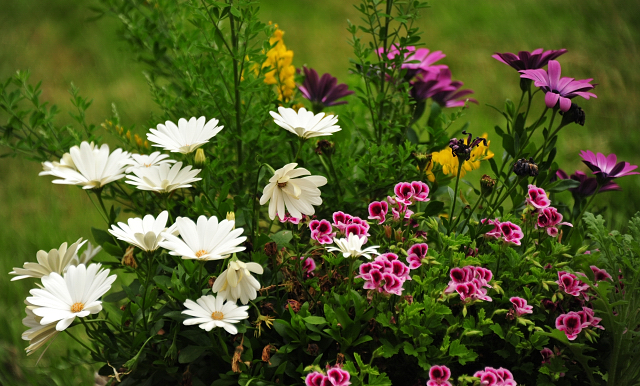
[55, 41]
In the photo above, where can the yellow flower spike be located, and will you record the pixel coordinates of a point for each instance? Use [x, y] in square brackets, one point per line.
[146, 144]
[138, 140]
[128, 135]
[282, 71]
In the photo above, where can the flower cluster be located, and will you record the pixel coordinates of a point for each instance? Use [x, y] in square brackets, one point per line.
[509, 232]
[386, 274]
[495, 377]
[348, 224]
[335, 377]
[570, 284]
[321, 231]
[572, 323]
[470, 283]
[279, 64]
[548, 217]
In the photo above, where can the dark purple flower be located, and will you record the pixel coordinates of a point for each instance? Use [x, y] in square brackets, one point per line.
[323, 92]
[588, 185]
[440, 88]
[526, 60]
[606, 168]
[557, 88]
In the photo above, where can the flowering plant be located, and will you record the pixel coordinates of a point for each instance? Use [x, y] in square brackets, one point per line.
[380, 270]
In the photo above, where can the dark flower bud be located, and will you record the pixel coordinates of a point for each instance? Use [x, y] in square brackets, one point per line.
[574, 115]
[313, 349]
[325, 147]
[549, 305]
[271, 248]
[486, 184]
[522, 167]
[461, 149]
[471, 252]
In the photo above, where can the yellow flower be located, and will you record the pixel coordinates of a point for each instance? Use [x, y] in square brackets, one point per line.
[280, 60]
[450, 163]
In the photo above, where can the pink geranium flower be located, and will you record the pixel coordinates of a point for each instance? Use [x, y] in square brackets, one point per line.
[470, 283]
[495, 233]
[570, 324]
[511, 233]
[547, 354]
[495, 377]
[338, 376]
[439, 376]
[309, 265]
[420, 191]
[404, 192]
[600, 274]
[520, 306]
[417, 252]
[316, 379]
[385, 274]
[588, 319]
[570, 284]
[549, 218]
[321, 231]
[378, 211]
[557, 89]
[537, 197]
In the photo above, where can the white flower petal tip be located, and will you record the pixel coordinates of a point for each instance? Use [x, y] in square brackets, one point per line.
[163, 178]
[142, 161]
[209, 239]
[209, 312]
[236, 282]
[186, 137]
[145, 233]
[56, 260]
[288, 193]
[305, 123]
[88, 166]
[37, 334]
[62, 299]
[352, 247]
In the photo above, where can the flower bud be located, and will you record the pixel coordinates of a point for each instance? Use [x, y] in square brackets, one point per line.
[200, 159]
[575, 114]
[325, 147]
[522, 167]
[128, 258]
[486, 184]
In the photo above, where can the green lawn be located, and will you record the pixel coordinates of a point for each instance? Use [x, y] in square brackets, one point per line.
[56, 42]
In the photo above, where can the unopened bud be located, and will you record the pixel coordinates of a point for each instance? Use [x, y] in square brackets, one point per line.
[486, 184]
[231, 216]
[128, 258]
[325, 147]
[200, 158]
[575, 114]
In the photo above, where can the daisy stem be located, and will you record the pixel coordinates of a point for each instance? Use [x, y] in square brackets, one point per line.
[350, 283]
[300, 144]
[80, 342]
[256, 208]
[335, 177]
[455, 194]
[102, 214]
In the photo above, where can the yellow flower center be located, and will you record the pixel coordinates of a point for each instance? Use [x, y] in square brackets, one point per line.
[282, 184]
[77, 307]
[217, 315]
[147, 165]
[201, 253]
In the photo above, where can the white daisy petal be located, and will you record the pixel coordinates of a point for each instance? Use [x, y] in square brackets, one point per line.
[163, 178]
[186, 137]
[144, 233]
[236, 282]
[304, 123]
[218, 314]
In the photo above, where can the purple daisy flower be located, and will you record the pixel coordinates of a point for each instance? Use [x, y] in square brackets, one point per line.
[607, 168]
[439, 87]
[422, 59]
[526, 60]
[324, 91]
[588, 185]
[557, 88]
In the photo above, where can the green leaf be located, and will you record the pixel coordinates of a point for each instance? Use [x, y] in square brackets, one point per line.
[562, 185]
[114, 297]
[315, 320]
[190, 353]
[281, 238]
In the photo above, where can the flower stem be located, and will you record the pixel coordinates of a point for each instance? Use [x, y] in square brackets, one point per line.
[455, 195]
[515, 184]
[464, 224]
[578, 220]
[300, 144]
[256, 208]
[79, 341]
[350, 282]
[335, 177]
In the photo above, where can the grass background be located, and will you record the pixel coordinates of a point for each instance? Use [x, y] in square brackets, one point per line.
[55, 41]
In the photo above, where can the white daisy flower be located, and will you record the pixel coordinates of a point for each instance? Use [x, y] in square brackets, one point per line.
[304, 123]
[163, 178]
[236, 282]
[206, 240]
[61, 299]
[296, 194]
[210, 312]
[186, 137]
[140, 161]
[87, 255]
[37, 334]
[56, 260]
[145, 233]
[352, 247]
[88, 165]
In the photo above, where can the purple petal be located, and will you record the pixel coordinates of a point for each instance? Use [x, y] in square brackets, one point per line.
[554, 74]
[551, 99]
[565, 104]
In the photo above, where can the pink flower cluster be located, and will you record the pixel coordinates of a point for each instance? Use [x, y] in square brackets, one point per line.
[406, 194]
[570, 284]
[495, 377]
[509, 232]
[439, 376]
[348, 224]
[385, 274]
[572, 323]
[335, 377]
[321, 231]
[548, 217]
[309, 265]
[520, 306]
[417, 252]
[470, 283]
